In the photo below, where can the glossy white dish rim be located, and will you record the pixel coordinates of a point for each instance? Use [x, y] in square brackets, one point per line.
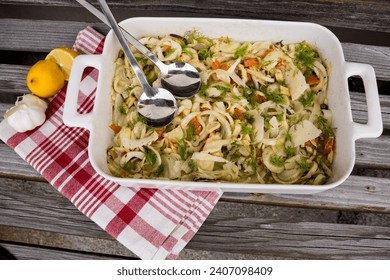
[347, 131]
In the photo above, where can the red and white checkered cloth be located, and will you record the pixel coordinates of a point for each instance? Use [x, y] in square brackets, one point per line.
[153, 224]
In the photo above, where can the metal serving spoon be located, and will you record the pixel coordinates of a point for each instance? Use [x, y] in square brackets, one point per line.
[180, 78]
[157, 105]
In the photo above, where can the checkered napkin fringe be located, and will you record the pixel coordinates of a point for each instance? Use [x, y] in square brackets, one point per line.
[153, 224]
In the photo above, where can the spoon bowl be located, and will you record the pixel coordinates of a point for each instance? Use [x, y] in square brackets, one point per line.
[157, 106]
[159, 109]
[182, 79]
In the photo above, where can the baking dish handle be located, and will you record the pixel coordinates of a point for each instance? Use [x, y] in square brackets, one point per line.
[374, 126]
[71, 117]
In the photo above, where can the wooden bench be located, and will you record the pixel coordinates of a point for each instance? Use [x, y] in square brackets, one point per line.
[351, 221]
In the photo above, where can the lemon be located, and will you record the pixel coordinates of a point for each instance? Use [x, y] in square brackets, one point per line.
[45, 78]
[64, 58]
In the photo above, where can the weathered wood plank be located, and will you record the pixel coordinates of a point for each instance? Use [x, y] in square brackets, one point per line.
[26, 252]
[359, 108]
[257, 239]
[357, 193]
[40, 35]
[13, 166]
[378, 57]
[22, 36]
[301, 240]
[373, 152]
[364, 15]
[65, 241]
[256, 231]
[13, 82]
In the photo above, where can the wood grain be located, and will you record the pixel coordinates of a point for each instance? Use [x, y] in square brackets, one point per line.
[256, 231]
[357, 193]
[22, 35]
[363, 15]
[29, 252]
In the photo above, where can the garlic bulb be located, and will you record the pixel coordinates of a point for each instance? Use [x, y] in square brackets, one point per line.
[27, 114]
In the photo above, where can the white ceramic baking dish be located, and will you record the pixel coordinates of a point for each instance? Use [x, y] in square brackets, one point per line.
[347, 131]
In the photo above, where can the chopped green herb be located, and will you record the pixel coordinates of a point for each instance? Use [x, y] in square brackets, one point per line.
[245, 129]
[305, 55]
[277, 160]
[122, 109]
[160, 170]
[250, 95]
[150, 156]
[267, 124]
[151, 77]
[142, 119]
[323, 124]
[241, 51]
[225, 151]
[235, 144]
[275, 96]
[253, 163]
[303, 166]
[128, 166]
[194, 36]
[202, 91]
[141, 59]
[192, 165]
[203, 54]
[288, 137]
[235, 156]
[307, 99]
[182, 149]
[249, 117]
[223, 90]
[279, 117]
[190, 132]
[235, 97]
[290, 151]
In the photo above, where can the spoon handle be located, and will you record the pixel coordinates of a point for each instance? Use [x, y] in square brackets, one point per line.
[133, 62]
[144, 50]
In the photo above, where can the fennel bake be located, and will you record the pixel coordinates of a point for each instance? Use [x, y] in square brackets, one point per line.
[261, 115]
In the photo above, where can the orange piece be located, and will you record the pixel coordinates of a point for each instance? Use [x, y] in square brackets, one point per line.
[197, 127]
[215, 65]
[312, 80]
[250, 62]
[115, 128]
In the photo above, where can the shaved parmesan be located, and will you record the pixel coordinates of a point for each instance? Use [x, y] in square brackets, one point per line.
[137, 143]
[215, 146]
[233, 74]
[274, 127]
[296, 83]
[303, 131]
[258, 127]
[205, 156]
